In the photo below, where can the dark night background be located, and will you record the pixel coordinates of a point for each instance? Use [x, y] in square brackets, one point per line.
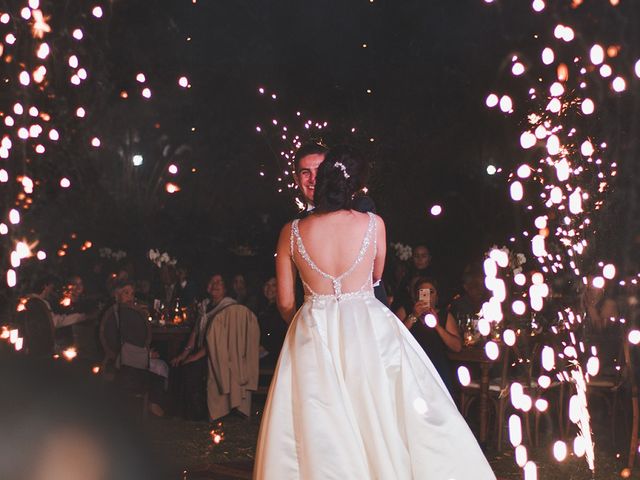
[429, 64]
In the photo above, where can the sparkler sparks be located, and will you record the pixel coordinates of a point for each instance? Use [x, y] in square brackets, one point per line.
[46, 111]
[565, 182]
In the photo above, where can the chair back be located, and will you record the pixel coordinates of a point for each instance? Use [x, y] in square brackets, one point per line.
[37, 322]
[134, 329]
[134, 326]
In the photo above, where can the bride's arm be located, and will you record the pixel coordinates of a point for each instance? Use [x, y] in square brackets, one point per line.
[378, 264]
[285, 276]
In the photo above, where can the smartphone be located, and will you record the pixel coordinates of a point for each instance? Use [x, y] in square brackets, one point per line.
[424, 295]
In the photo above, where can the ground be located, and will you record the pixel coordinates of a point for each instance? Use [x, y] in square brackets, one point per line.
[191, 448]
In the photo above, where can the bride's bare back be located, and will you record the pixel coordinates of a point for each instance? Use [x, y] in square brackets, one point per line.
[336, 253]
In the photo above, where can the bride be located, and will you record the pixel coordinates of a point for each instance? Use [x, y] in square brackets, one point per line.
[354, 396]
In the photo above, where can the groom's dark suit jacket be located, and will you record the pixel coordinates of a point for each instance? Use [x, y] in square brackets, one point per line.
[364, 204]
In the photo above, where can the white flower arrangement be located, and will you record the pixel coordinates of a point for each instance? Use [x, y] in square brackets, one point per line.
[116, 255]
[403, 252]
[160, 258]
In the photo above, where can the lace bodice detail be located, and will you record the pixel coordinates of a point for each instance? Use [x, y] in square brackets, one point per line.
[369, 239]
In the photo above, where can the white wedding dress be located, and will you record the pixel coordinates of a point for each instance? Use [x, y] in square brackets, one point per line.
[354, 396]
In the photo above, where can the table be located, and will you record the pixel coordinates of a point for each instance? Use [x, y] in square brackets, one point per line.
[477, 355]
[173, 335]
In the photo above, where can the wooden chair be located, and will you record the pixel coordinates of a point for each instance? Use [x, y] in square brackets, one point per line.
[265, 373]
[510, 370]
[554, 393]
[135, 329]
[613, 379]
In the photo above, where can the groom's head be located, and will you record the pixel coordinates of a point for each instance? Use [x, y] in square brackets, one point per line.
[306, 162]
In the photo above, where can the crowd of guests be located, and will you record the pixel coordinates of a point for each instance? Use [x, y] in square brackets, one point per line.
[436, 320]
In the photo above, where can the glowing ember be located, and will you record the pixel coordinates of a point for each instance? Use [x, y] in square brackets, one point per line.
[634, 337]
[70, 353]
[430, 320]
[464, 376]
[560, 451]
[515, 430]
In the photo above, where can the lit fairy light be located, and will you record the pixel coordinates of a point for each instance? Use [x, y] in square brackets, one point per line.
[436, 210]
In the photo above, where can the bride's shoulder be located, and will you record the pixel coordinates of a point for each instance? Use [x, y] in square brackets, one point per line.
[286, 229]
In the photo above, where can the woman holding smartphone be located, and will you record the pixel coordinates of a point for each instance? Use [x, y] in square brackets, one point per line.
[435, 329]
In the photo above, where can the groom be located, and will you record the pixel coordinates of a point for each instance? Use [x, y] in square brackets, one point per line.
[306, 162]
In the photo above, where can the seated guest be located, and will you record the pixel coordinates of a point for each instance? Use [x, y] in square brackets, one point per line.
[168, 289]
[435, 340]
[474, 295]
[193, 359]
[273, 328]
[599, 307]
[185, 292]
[125, 295]
[242, 294]
[420, 266]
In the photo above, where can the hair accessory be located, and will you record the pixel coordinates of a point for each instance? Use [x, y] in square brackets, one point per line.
[341, 166]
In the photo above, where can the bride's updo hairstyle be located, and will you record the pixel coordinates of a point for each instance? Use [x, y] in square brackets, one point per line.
[340, 176]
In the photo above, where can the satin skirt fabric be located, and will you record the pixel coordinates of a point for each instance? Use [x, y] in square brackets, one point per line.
[355, 397]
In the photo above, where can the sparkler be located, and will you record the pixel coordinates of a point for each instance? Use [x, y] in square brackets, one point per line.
[54, 131]
[285, 133]
[566, 184]
[284, 139]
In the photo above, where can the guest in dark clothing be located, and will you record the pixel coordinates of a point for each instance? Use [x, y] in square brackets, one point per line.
[242, 294]
[185, 288]
[420, 267]
[475, 294]
[273, 328]
[435, 335]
